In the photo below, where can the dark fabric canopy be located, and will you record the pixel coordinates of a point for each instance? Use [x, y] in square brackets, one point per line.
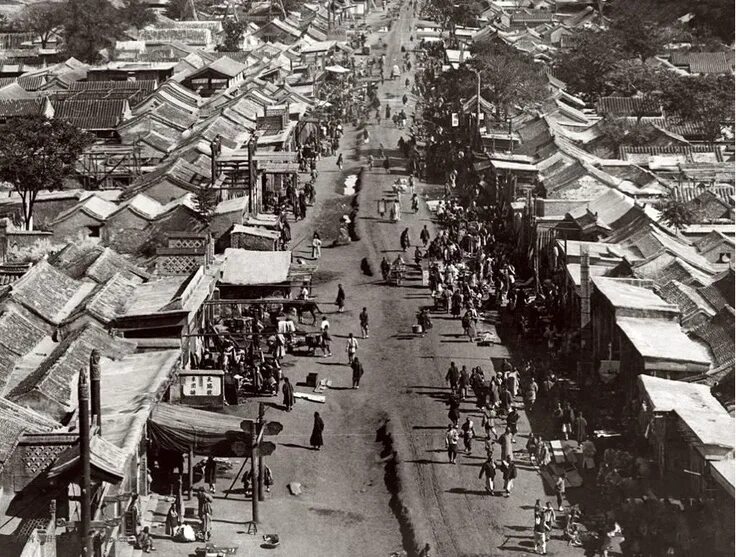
[179, 428]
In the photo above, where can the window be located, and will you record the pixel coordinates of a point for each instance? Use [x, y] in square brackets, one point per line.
[94, 231]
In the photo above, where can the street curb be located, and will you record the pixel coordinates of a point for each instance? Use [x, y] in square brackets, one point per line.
[415, 530]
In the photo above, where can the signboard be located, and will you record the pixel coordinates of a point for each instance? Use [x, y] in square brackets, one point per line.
[202, 388]
[455, 122]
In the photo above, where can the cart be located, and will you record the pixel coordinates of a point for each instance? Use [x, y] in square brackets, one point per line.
[396, 274]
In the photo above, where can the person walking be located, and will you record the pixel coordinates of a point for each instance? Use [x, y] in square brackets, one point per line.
[452, 377]
[340, 299]
[560, 490]
[488, 469]
[464, 382]
[540, 533]
[550, 518]
[287, 390]
[364, 323]
[357, 368]
[507, 450]
[315, 440]
[351, 347]
[581, 428]
[206, 514]
[316, 246]
[468, 429]
[210, 473]
[404, 240]
[451, 440]
[424, 236]
[512, 422]
[326, 343]
[339, 161]
[509, 475]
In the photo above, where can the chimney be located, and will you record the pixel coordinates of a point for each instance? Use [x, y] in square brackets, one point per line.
[95, 401]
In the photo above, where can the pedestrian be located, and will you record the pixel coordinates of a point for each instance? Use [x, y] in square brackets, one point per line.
[357, 368]
[210, 473]
[315, 440]
[488, 469]
[339, 161]
[509, 475]
[581, 428]
[172, 520]
[453, 376]
[451, 439]
[512, 422]
[405, 98]
[134, 511]
[568, 418]
[488, 422]
[550, 518]
[267, 478]
[468, 429]
[288, 391]
[324, 324]
[424, 236]
[560, 490]
[507, 451]
[544, 458]
[364, 323]
[206, 515]
[316, 246]
[454, 415]
[404, 240]
[326, 343]
[531, 448]
[463, 382]
[387, 165]
[531, 395]
[340, 298]
[370, 157]
[351, 347]
[540, 533]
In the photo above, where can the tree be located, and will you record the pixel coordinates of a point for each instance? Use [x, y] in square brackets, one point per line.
[233, 32]
[507, 77]
[205, 202]
[44, 19]
[675, 213]
[180, 9]
[703, 100]
[617, 132]
[90, 26]
[640, 29]
[585, 66]
[135, 13]
[38, 154]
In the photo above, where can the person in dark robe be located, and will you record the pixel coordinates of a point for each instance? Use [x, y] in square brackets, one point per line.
[357, 368]
[172, 520]
[210, 473]
[340, 299]
[315, 440]
[288, 390]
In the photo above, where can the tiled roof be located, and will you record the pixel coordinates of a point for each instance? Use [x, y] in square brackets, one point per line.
[680, 149]
[720, 292]
[687, 191]
[20, 107]
[628, 106]
[184, 35]
[28, 82]
[18, 335]
[717, 333]
[54, 380]
[694, 308]
[91, 114]
[16, 421]
[705, 62]
[95, 262]
[110, 298]
[134, 91]
[46, 291]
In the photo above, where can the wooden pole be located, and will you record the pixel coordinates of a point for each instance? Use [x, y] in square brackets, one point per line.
[191, 473]
[84, 456]
[253, 474]
[261, 412]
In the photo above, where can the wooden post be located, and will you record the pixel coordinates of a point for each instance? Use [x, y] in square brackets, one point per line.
[253, 474]
[84, 456]
[191, 473]
[261, 412]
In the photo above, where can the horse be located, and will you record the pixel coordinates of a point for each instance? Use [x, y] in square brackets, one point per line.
[304, 307]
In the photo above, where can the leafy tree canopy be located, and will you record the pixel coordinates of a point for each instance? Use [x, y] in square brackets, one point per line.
[43, 19]
[37, 154]
[233, 32]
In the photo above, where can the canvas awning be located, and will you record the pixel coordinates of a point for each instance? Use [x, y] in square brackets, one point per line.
[248, 268]
[337, 69]
[178, 428]
[106, 460]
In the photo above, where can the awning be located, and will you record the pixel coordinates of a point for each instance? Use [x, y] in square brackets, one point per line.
[178, 428]
[105, 459]
[248, 268]
[337, 69]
